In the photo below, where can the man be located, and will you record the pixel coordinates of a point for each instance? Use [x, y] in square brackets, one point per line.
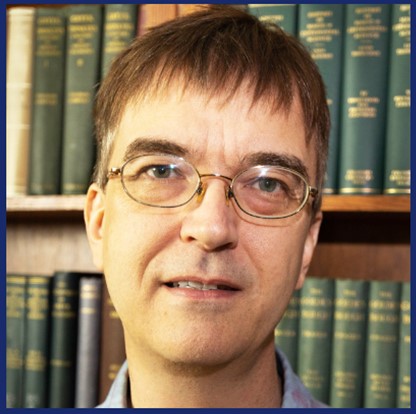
[205, 210]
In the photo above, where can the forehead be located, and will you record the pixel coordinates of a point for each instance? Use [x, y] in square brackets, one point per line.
[213, 131]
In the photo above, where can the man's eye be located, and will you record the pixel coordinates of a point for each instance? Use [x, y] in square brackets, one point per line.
[161, 171]
[268, 184]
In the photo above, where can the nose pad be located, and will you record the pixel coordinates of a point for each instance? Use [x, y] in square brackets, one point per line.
[203, 188]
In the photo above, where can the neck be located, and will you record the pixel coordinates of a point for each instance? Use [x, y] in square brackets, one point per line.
[244, 382]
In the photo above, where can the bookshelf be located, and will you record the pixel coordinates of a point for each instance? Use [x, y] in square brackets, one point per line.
[365, 237]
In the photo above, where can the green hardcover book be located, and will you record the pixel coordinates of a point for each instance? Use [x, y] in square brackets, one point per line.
[382, 345]
[15, 316]
[403, 377]
[286, 332]
[315, 336]
[283, 15]
[397, 167]
[37, 342]
[88, 347]
[63, 339]
[364, 98]
[321, 28]
[47, 101]
[120, 27]
[82, 74]
[348, 343]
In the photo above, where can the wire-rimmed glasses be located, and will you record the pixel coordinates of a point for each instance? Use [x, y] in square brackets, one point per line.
[168, 181]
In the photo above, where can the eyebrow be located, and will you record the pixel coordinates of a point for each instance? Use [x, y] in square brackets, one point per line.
[153, 145]
[159, 145]
[275, 159]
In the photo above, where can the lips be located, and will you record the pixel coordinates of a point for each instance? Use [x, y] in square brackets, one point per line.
[190, 284]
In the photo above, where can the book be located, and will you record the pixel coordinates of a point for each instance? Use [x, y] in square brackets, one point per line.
[364, 98]
[151, 15]
[63, 339]
[397, 157]
[19, 65]
[81, 77]
[37, 326]
[15, 338]
[403, 368]
[282, 15]
[286, 331]
[119, 28]
[321, 28]
[382, 344]
[113, 352]
[348, 343]
[88, 346]
[47, 101]
[315, 336]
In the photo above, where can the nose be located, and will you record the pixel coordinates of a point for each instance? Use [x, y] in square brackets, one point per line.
[213, 224]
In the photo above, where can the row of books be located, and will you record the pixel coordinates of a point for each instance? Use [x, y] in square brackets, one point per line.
[349, 341]
[57, 56]
[65, 341]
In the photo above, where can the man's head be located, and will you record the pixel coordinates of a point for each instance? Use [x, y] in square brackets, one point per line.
[215, 52]
[219, 93]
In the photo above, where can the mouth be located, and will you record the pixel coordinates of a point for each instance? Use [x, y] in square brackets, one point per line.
[190, 284]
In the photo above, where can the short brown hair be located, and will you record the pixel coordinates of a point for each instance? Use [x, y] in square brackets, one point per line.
[215, 51]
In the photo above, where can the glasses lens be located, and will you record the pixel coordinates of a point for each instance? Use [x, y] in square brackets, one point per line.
[159, 180]
[270, 192]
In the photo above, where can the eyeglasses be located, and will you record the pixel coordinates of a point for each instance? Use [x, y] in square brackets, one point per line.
[167, 181]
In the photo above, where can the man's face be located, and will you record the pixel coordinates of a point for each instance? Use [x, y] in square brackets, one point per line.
[143, 250]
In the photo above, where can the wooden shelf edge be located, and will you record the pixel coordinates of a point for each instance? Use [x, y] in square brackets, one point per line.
[62, 204]
[46, 204]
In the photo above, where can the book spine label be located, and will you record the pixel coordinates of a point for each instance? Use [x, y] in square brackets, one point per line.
[403, 377]
[282, 15]
[397, 169]
[15, 314]
[315, 336]
[349, 341]
[82, 72]
[321, 28]
[37, 342]
[47, 102]
[63, 345]
[364, 98]
[382, 345]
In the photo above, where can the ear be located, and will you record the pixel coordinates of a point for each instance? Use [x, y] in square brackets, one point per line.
[309, 248]
[94, 222]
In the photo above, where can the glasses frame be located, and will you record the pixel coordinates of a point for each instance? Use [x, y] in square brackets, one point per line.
[114, 172]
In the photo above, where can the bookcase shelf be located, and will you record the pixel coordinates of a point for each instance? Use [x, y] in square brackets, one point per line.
[67, 205]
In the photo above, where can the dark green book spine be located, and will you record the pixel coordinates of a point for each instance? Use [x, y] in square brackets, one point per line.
[63, 345]
[382, 345]
[37, 342]
[315, 336]
[47, 101]
[397, 168]
[286, 331]
[120, 27]
[321, 28]
[403, 377]
[15, 316]
[364, 98]
[348, 344]
[88, 348]
[82, 73]
[283, 15]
